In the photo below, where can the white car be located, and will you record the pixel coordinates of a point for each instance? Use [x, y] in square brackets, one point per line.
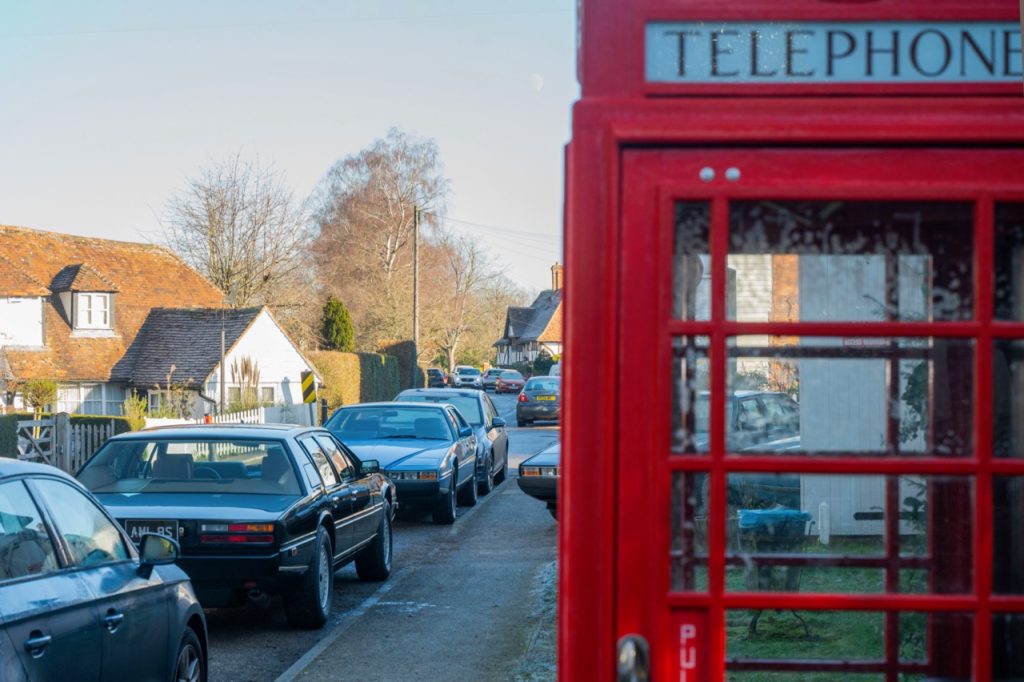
[466, 377]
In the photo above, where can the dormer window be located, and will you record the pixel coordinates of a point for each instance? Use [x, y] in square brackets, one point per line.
[92, 311]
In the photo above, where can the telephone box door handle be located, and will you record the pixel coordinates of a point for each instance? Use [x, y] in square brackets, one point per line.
[633, 662]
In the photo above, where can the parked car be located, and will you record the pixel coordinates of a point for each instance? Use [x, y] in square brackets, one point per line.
[466, 377]
[489, 377]
[428, 450]
[509, 381]
[758, 421]
[539, 399]
[489, 428]
[76, 597]
[539, 476]
[436, 378]
[257, 509]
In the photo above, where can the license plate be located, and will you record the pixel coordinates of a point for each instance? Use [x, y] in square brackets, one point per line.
[545, 397]
[137, 528]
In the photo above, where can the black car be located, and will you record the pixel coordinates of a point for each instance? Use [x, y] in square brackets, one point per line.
[491, 437]
[257, 509]
[77, 600]
[436, 378]
[540, 399]
[539, 476]
[429, 451]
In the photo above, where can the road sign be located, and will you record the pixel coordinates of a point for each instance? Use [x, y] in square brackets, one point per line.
[308, 388]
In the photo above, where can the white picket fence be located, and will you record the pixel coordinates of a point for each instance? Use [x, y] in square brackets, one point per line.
[59, 442]
[287, 414]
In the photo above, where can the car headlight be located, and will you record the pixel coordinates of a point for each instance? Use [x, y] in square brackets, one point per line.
[413, 475]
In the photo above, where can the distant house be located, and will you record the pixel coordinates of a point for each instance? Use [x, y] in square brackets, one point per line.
[104, 318]
[536, 329]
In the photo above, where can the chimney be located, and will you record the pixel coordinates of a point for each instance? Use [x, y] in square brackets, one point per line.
[557, 276]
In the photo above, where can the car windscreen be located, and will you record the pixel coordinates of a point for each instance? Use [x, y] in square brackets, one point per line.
[373, 423]
[702, 413]
[469, 406]
[511, 375]
[469, 371]
[209, 465]
[543, 385]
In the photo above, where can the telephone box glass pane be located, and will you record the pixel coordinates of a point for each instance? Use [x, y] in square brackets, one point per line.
[1008, 398]
[691, 299]
[850, 261]
[858, 645]
[689, 394]
[867, 534]
[851, 395]
[1009, 262]
[689, 524]
[1008, 646]
[1008, 535]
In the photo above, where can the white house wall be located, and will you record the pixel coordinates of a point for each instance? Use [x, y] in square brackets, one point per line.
[280, 364]
[21, 322]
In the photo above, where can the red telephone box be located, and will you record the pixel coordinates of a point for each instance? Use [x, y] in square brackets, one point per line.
[794, 432]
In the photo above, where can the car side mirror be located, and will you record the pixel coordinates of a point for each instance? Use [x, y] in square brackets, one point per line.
[369, 466]
[156, 550]
[465, 432]
[498, 423]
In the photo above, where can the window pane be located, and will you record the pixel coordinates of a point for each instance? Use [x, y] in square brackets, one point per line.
[320, 461]
[1007, 646]
[881, 396]
[1008, 398]
[830, 645]
[334, 453]
[25, 546]
[850, 261]
[1009, 262]
[689, 526]
[267, 394]
[689, 394]
[1008, 535]
[798, 532]
[692, 262]
[92, 538]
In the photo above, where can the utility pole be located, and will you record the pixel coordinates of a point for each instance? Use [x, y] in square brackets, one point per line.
[415, 295]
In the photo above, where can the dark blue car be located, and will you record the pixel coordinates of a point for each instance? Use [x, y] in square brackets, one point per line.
[77, 600]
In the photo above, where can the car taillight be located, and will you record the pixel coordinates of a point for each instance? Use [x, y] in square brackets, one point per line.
[523, 398]
[236, 533]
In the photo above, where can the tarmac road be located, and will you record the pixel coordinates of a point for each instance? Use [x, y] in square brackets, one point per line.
[458, 605]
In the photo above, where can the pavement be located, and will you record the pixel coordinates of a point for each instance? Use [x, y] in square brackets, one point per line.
[467, 611]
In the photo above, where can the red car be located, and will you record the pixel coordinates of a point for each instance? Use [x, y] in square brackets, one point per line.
[509, 381]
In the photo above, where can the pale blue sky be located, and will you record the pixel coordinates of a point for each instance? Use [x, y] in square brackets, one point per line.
[108, 107]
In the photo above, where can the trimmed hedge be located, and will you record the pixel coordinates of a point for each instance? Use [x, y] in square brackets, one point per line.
[355, 377]
[9, 427]
[403, 352]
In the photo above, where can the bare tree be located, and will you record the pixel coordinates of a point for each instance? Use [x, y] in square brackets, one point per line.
[239, 224]
[364, 212]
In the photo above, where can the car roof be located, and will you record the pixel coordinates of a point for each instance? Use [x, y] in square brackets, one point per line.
[396, 403]
[16, 467]
[440, 392]
[216, 431]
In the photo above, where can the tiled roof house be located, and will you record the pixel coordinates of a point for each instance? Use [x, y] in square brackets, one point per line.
[103, 317]
[531, 330]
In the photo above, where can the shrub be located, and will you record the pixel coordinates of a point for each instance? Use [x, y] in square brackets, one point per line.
[337, 329]
[39, 393]
[134, 408]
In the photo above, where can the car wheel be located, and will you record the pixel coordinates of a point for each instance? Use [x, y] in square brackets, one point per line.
[190, 664]
[309, 606]
[468, 495]
[503, 473]
[374, 563]
[487, 485]
[444, 510]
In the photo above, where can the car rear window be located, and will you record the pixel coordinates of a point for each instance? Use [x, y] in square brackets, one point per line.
[469, 406]
[376, 423]
[211, 465]
[549, 384]
[511, 375]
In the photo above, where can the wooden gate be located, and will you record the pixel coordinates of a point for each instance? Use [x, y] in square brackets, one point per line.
[59, 442]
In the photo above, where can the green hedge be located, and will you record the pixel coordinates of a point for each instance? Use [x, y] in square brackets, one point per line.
[403, 352]
[9, 427]
[356, 377]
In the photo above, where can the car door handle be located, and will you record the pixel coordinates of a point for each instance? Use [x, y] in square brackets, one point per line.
[113, 620]
[37, 643]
